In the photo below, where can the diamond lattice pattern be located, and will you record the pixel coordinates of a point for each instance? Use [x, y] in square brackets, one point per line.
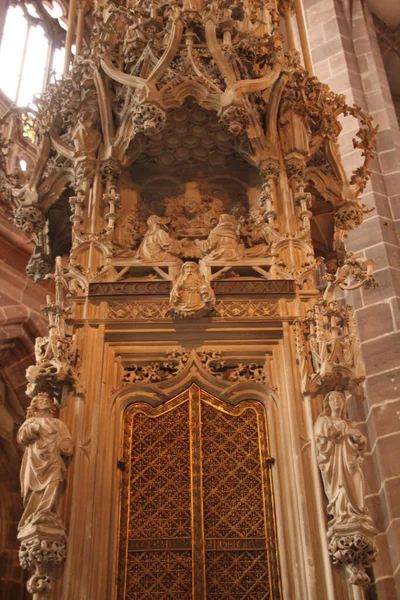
[237, 576]
[158, 495]
[232, 480]
[233, 504]
[160, 505]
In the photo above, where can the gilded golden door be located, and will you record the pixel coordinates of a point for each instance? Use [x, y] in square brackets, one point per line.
[196, 509]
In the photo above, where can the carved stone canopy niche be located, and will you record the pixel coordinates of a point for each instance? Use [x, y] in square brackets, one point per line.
[192, 139]
[60, 226]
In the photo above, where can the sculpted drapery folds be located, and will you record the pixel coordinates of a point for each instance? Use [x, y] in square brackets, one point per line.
[223, 243]
[41, 532]
[340, 450]
[191, 295]
[157, 244]
[47, 443]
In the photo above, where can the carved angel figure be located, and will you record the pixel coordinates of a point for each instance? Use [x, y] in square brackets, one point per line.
[157, 244]
[340, 451]
[191, 296]
[46, 440]
[224, 242]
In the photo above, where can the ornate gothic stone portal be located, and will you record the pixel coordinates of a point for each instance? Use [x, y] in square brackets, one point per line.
[188, 190]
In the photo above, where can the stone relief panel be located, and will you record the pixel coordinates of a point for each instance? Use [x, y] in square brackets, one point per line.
[189, 212]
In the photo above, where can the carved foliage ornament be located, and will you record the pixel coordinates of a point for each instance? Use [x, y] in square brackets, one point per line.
[148, 119]
[319, 109]
[56, 357]
[349, 272]
[224, 309]
[211, 361]
[328, 351]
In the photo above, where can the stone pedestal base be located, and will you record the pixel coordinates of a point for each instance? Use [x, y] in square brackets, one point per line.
[42, 550]
[353, 546]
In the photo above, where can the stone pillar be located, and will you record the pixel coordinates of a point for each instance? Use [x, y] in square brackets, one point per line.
[346, 55]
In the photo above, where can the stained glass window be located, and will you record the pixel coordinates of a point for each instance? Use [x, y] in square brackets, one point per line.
[24, 56]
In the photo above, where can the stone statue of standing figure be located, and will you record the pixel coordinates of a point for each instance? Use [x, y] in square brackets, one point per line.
[340, 452]
[47, 441]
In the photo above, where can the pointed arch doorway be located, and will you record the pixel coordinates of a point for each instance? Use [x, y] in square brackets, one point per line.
[196, 502]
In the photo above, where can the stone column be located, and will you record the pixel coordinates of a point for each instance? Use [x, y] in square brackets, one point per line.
[346, 55]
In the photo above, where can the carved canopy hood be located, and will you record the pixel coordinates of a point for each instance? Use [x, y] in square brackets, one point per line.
[184, 89]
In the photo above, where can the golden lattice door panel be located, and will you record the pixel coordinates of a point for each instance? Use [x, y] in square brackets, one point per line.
[197, 516]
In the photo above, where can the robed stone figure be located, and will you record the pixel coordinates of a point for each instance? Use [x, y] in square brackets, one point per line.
[340, 451]
[191, 295]
[47, 441]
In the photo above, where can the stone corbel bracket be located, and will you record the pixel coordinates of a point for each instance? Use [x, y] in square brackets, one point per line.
[355, 549]
[43, 549]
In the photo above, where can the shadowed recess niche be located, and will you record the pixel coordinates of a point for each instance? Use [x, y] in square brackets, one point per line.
[196, 506]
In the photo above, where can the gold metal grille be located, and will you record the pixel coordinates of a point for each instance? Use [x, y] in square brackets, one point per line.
[197, 517]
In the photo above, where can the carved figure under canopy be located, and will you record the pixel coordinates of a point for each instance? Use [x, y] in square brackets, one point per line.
[292, 133]
[86, 135]
[191, 295]
[340, 451]
[224, 242]
[46, 440]
[157, 244]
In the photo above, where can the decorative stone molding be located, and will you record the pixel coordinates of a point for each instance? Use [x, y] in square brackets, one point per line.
[231, 309]
[212, 361]
[223, 309]
[138, 310]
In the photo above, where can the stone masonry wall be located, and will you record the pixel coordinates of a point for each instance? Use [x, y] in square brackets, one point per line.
[346, 55]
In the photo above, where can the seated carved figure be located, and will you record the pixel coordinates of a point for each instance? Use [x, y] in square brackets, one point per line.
[340, 451]
[46, 440]
[191, 296]
[157, 244]
[224, 242]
